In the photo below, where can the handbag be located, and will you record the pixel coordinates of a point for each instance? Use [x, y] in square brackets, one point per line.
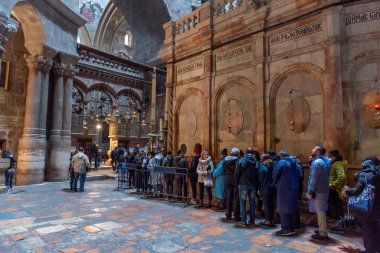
[208, 182]
[365, 201]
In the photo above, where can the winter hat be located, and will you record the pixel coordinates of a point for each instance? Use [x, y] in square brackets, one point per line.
[336, 154]
[235, 151]
[224, 152]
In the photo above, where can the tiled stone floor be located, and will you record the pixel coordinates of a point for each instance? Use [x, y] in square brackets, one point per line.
[43, 218]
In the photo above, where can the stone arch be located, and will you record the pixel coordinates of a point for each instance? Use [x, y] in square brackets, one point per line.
[187, 114]
[236, 127]
[80, 85]
[103, 87]
[306, 82]
[131, 93]
[34, 31]
[363, 73]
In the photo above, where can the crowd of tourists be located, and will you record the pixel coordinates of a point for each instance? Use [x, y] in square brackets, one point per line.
[272, 182]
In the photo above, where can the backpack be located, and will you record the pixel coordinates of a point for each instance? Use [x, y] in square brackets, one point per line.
[368, 201]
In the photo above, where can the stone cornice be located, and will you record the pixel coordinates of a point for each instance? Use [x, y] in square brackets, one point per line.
[67, 12]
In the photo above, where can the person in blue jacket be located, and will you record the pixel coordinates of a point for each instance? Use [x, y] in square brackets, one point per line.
[220, 182]
[318, 189]
[286, 178]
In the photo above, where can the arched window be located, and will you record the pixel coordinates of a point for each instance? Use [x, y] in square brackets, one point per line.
[126, 40]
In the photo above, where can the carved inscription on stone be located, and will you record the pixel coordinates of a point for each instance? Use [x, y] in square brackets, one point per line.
[234, 53]
[189, 67]
[191, 70]
[359, 17]
[296, 33]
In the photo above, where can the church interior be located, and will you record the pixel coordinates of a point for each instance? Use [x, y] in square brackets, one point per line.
[272, 75]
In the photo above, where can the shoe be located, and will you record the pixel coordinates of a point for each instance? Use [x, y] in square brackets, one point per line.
[266, 225]
[81, 190]
[241, 224]
[284, 233]
[320, 237]
[226, 220]
[237, 219]
[209, 205]
[337, 230]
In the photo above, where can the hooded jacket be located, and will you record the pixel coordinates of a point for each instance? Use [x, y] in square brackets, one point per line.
[205, 169]
[80, 163]
[229, 166]
[246, 172]
[338, 176]
[286, 177]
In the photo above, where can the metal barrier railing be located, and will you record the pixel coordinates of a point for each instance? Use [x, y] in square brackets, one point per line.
[154, 181]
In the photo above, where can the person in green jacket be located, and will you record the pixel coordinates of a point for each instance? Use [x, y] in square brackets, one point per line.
[338, 178]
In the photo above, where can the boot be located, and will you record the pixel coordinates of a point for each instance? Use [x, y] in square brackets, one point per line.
[199, 205]
[209, 204]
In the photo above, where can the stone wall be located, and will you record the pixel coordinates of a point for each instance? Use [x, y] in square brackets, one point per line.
[291, 76]
[12, 100]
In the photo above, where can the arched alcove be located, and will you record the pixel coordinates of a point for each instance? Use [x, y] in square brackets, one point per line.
[296, 111]
[236, 117]
[189, 115]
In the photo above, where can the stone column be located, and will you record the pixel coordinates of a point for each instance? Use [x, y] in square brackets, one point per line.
[153, 104]
[44, 96]
[32, 145]
[60, 133]
[57, 161]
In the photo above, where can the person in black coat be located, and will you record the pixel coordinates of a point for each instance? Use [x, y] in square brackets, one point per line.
[232, 202]
[192, 172]
[247, 178]
[370, 222]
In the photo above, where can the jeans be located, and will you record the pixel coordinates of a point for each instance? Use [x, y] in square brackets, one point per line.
[82, 179]
[245, 191]
[72, 176]
[9, 175]
[287, 220]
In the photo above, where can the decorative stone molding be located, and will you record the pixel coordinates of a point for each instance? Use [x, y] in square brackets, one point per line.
[65, 69]
[37, 62]
[7, 25]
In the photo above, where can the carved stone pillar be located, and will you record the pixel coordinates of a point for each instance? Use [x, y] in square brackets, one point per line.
[32, 145]
[60, 133]
[57, 158]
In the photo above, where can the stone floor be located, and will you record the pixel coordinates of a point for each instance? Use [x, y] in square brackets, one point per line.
[44, 218]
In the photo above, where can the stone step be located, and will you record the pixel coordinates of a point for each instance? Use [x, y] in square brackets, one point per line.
[96, 177]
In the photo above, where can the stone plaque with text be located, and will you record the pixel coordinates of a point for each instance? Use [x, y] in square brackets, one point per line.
[234, 56]
[190, 70]
[295, 33]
